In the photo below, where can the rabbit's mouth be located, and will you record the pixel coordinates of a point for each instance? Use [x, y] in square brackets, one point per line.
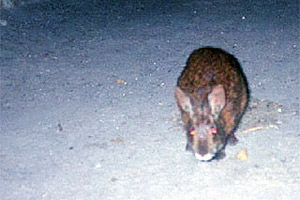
[205, 157]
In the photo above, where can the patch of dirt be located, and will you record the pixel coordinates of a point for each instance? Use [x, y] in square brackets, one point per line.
[260, 114]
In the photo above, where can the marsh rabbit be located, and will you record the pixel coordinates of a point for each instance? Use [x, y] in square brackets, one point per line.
[212, 95]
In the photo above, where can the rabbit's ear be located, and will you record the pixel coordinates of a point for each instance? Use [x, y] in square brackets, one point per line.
[183, 100]
[217, 100]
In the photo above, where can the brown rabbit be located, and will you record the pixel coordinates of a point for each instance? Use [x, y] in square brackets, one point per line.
[212, 95]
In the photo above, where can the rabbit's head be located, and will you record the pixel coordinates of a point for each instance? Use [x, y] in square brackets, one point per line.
[201, 114]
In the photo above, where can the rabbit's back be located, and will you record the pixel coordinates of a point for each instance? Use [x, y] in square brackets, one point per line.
[208, 67]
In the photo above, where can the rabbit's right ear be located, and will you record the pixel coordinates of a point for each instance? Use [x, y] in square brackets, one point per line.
[217, 100]
[183, 100]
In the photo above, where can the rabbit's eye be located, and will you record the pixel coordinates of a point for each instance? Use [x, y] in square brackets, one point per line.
[214, 130]
[192, 131]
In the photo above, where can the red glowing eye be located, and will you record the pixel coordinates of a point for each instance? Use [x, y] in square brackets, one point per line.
[192, 131]
[214, 130]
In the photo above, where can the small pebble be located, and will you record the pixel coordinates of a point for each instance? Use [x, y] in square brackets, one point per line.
[98, 166]
[3, 22]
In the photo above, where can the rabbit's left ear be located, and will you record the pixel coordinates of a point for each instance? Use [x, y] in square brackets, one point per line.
[217, 100]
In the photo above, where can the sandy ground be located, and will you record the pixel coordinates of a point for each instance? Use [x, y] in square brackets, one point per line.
[87, 106]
